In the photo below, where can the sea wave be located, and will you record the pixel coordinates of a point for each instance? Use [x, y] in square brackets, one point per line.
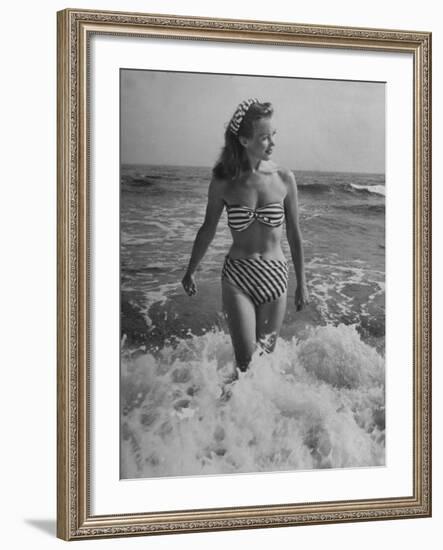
[376, 189]
[342, 187]
[316, 403]
[362, 208]
[315, 188]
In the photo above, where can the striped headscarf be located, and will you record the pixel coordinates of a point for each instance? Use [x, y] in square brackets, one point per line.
[239, 114]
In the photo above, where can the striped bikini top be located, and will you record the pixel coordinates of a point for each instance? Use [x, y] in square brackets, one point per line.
[240, 217]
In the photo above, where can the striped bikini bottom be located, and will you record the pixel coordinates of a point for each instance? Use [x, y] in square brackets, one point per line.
[261, 280]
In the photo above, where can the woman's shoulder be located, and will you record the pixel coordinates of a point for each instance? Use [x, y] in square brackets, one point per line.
[217, 186]
[286, 174]
[271, 167]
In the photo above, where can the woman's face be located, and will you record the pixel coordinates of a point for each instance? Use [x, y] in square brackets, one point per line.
[261, 144]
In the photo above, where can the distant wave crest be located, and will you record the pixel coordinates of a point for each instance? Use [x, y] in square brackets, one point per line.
[321, 188]
[376, 189]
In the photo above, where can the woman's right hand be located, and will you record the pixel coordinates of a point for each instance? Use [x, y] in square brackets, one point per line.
[189, 284]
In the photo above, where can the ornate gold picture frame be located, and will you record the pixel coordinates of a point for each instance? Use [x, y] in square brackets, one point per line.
[76, 516]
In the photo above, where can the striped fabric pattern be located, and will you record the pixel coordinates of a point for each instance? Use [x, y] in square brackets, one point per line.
[239, 114]
[261, 280]
[241, 217]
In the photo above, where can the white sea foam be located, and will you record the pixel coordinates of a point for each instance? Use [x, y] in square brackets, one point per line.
[377, 189]
[161, 294]
[333, 287]
[316, 403]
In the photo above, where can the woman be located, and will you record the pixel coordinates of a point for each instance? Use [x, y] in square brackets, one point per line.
[258, 196]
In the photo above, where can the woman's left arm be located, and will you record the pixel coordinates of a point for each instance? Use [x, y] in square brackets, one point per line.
[295, 239]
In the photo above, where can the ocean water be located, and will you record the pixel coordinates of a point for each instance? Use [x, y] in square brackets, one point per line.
[317, 402]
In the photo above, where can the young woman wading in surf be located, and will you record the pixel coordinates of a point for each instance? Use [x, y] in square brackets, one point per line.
[258, 196]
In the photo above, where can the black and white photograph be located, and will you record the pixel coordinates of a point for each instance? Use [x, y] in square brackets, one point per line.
[252, 271]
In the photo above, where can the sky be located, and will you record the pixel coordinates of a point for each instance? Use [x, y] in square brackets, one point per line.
[179, 118]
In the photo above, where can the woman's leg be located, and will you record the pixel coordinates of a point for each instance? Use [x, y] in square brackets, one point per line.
[269, 320]
[240, 315]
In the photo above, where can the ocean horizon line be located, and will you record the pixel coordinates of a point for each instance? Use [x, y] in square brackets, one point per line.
[135, 164]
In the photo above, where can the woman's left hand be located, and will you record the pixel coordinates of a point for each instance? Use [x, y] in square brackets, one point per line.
[189, 284]
[301, 296]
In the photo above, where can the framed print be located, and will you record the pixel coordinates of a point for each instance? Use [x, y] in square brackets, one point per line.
[244, 247]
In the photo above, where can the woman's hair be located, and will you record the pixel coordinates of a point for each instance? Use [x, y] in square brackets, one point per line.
[233, 159]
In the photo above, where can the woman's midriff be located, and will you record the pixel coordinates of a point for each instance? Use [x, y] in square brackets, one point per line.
[261, 244]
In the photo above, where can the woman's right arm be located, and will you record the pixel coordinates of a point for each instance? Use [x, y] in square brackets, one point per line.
[206, 233]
